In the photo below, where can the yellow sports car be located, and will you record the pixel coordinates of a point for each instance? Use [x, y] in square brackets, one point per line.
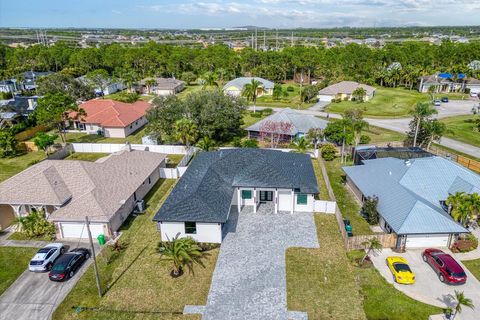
[400, 270]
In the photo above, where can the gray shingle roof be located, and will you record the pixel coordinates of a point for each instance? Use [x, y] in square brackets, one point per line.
[164, 83]
[300, 122]
[346, 87]
[205, 191]
[242, 81]
[81, 188]
[410, 195]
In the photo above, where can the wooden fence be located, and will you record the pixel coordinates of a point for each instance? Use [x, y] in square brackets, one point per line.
[462, 160]
[388, 240]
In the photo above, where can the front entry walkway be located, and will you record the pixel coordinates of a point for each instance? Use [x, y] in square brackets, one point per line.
[249, 281]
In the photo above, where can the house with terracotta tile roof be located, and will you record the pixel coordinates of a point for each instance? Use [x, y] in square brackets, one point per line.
[113, 119]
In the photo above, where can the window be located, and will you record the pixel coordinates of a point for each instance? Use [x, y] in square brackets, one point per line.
[302, 198]
[134, 197]
[149, 180]
[246, 194]
[190, 227]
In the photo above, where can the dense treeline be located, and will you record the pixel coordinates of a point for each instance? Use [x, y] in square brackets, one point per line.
[353, 62]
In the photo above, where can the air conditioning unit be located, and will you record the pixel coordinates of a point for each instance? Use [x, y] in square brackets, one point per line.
[140, 206]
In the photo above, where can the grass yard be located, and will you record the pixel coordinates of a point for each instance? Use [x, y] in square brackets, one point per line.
[248, 119]
[189, 89]
[174, 160]
[321, 281]
[387, 103]
[80, 137]
[22, 236]
[320, 181]
[461, 128]
[139, 283]
[117, 95]
[292, 100]
[382, 301]
[11, 166]
[13, 262]
[380, 135]
[86, 156]
[473, 266]
[346, 202]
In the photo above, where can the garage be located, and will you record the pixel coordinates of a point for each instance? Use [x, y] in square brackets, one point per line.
[424, 240]
[7, 216]
[325, 97]
[78, 230]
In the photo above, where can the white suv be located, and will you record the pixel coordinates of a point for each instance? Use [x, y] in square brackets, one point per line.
[44, 258]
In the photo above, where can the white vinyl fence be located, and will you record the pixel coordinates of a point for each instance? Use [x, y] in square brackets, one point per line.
[175, 173]
[115, 147]
[323, 206]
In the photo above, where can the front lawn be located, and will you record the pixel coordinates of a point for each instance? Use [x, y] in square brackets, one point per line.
[22, 236]
[461, 128]
[346, 202]
[86, 156]
[387, 103]
[13, 262]
[249, 119]
[174, 160]
[321, 281]
[382, 301]
[11, 166]
[81, 137]
[139, 283]
[379, 135]
[292, 100]
[473, 266]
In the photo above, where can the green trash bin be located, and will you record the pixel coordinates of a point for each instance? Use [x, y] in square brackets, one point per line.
[101, 239]
[348, 228]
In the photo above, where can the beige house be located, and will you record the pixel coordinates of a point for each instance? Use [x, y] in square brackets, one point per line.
[161, 86]
[235, 86]
[107, 191]
[344, 90]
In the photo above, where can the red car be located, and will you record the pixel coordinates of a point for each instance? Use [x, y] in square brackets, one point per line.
[447, 269]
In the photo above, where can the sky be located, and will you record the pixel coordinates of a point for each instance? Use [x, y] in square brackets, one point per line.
[185, 14]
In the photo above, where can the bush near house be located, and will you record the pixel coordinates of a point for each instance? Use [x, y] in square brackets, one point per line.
[465, 245]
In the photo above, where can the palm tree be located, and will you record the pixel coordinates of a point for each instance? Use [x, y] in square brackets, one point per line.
[206, 144]
[461, 301]
[186, 131]
[149, 83]
[371, 245]
[301, 144]
[436, 130]
[315, 136]
[181, 252]
[421, 111]
[459, 206]
[251, 91]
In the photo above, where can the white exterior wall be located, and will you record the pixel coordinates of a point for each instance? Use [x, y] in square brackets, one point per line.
[285, 200]
[309, 207]
[206, 232]
[91, 128]
[325, 97]
[161, 92]
[110, 132]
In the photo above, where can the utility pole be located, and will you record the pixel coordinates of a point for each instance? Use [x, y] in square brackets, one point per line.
[264, 42]
[276, 40]
[291, 39]
[256, 40]
[252, 41]
[97, 278]
[343, 145]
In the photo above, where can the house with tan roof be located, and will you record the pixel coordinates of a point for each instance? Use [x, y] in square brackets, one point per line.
[113, 119]
[107, 191]
[161, 86]
[344, 91]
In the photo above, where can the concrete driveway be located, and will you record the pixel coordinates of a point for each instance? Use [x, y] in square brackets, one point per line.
[249, 281]
[34, 297]
[428, 288]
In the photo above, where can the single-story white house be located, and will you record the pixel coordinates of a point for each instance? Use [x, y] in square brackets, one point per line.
[161, 86]
[344, 90]
[106, 191]
[111, 118]
[473, 85]
[235, 86]
[112, 87]
[247, 181]
[411, 196]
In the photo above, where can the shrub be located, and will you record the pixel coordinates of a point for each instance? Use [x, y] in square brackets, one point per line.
[6, 95]
[290, 89]
[267, 111]
[250, 143]
[328, 151]
[364, 139]
[237, 142]
[369, 210]
[257, 114]
[127, 97]
[30, 133]
[35, 225]
[465, 245]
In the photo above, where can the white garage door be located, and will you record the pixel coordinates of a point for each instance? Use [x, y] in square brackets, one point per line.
[423, 241]
[323, 97]
[78, 230]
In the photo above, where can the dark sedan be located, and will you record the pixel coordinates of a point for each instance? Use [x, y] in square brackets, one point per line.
[447, 269]
[66, 265]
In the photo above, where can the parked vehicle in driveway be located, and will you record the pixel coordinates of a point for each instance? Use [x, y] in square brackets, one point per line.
[445, 99]
[66, 266]
[437, 103]
[45, 257]
[401, 270]
[446, 267]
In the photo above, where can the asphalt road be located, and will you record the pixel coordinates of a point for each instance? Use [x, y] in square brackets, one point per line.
[450, 109]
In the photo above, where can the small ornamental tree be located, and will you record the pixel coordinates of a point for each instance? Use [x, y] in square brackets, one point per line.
[44, 141]
[182, 252]
[328, 151]
[188, 77]
[8, 143]
[359, 94]
[369, 210]
[371, 245]
[99, 79]
[275, 132]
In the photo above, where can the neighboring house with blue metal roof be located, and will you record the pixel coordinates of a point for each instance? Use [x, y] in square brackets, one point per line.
[253, 180]
[235, 86]
[411, 196]
[300, 124]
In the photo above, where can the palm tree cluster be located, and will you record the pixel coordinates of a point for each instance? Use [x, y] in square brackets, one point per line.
[181, 252]
[463, 206]
[35, 225]
[423, 129]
